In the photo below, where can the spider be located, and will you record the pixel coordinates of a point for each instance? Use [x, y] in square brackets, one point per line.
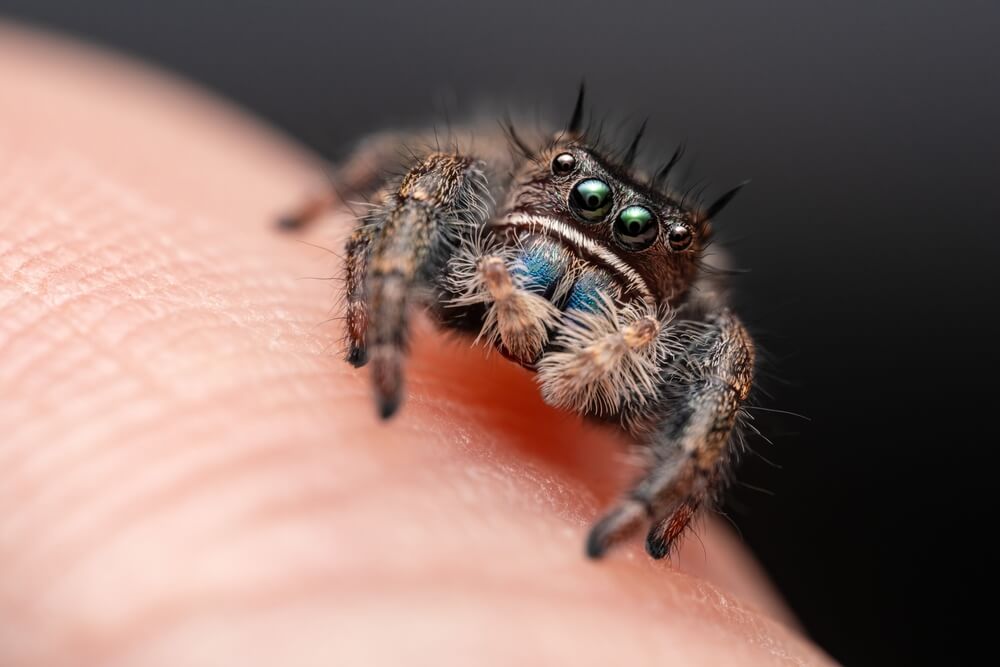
[572, 263]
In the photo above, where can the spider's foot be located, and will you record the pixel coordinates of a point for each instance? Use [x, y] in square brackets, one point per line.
[357, 355]
[387, 379]
[616, 526]
[664, 533]
[290, 223]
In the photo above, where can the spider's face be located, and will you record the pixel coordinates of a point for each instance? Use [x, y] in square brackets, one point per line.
[607, 220]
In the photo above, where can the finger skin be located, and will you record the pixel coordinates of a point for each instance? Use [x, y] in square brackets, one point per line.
[193, 476]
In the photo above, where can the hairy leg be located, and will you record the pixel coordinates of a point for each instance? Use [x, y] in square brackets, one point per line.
[413, 236]
[691, 445]
[358, 175]
[355, 306]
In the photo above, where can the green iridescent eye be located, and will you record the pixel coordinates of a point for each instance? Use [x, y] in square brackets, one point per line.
[591, 199]
[636, 228]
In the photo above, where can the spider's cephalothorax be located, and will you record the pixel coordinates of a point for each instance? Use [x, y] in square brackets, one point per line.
[575, 265]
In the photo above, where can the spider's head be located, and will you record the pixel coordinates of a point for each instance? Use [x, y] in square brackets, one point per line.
[646, 241]
[604, 213]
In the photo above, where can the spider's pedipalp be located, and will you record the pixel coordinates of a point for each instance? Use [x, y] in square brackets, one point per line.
[519, 318]
[488, 273]
[604, 358]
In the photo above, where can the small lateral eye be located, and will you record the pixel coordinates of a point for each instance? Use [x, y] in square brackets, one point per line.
[679, 237]
[636, 228]
[563, 164]
[591, 199]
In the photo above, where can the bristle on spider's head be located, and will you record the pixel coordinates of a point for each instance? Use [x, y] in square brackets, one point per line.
[576, 120]
[660, 177]
[716, 207]
[629, 159]
[515, 140]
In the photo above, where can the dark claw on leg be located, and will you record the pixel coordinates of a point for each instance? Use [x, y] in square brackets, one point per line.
[290, 223]
[310, 210]
[357, 355]
[664, 532]
[387, 378]
[614, 527]
[656, 546]
[387, 406]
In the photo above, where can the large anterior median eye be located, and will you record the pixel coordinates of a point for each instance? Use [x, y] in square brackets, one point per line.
[591, 199]
[636, 228]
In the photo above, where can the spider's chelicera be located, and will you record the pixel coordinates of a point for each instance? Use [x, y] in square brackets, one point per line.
[574, 264]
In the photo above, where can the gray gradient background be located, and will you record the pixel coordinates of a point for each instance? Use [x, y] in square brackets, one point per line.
[871, 228]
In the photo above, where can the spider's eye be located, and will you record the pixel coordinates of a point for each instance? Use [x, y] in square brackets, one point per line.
[591, 199]
[563, 164]
[636, 228]
[679, 237]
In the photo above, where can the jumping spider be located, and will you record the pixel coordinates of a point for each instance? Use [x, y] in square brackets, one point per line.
[573, 264]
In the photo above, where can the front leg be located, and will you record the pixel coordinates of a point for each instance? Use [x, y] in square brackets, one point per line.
[400, 253]
[357, 253]
[690, 444]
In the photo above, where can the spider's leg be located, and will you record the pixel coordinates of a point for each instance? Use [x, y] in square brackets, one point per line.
[310, 209]
[690, 444]
[355, 267]
[359, 175]
[414, 235]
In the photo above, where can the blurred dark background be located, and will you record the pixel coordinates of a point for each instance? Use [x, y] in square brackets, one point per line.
[870, 133]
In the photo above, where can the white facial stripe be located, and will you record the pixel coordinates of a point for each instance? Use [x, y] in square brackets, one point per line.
[561, 230]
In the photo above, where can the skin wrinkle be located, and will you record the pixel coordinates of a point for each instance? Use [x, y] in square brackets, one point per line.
[155, 626]
[72, 502]
[128, 435]
[561, 553]
[83, 332]
[51, 269]
[158, 499]
[331, 558]
[59, 319]
[184, 450]
[184, 407]
[154, 497]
